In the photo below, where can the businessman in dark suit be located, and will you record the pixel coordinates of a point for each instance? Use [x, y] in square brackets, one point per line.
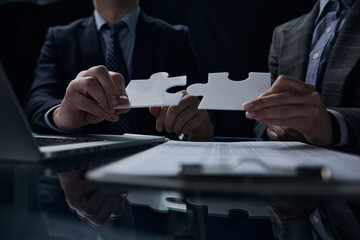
[74, 91]
[315, 97]
[315, 62]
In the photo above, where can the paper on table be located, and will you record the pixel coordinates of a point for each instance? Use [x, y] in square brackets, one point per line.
[168, 158]
[152, 91]
[221, 93]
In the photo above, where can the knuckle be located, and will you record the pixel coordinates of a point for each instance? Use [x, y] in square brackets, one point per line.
[100, 68]
[117, 76]
[82, 73]
[72, 85]
[281, 78]
[87, 83]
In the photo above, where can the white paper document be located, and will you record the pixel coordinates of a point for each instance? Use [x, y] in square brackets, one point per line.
[239, 157]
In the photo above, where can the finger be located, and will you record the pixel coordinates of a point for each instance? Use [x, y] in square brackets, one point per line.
[283, 89]
[160, 119]
[300, 124]
[103, 76]
[280, 133]
[90, 88]
[276, 99]
[183, 118]
[198, 126]
[104, 213]
[285, 84]
[170, 116]
[272, 134]
[88, 105]
[120, 87]
[280, 86]
[71, 176]
[121, 111]
[75, 194]
[281, 112]
[295, 134]
[91, 204]
[119, 207]
[155, 111]
[186, 110]
[119, 82]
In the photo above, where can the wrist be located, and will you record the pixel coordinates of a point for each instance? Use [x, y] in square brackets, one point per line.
[56, 119]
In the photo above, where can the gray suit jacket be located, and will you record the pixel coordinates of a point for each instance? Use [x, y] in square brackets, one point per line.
[341, 86]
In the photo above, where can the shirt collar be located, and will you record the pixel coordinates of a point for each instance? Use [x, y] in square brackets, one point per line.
[130, 20]
[346, 3]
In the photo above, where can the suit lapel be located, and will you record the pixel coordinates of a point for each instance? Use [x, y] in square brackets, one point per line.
[344, 56]
[89, 45]
[144, 50]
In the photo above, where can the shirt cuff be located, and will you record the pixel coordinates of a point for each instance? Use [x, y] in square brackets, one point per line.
[344, 131]
[51, 125]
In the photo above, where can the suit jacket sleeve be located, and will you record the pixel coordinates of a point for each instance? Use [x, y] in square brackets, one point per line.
[49, 84]
[352, 119]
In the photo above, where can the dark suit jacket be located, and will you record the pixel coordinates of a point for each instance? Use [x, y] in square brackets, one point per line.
[77, 47]
[341, 86]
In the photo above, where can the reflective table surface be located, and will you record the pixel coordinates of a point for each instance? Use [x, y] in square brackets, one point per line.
[53, 200]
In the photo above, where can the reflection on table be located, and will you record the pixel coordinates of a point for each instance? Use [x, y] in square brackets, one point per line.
[56, 202]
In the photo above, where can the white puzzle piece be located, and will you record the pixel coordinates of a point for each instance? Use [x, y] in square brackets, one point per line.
[152, 91]
[221, 93]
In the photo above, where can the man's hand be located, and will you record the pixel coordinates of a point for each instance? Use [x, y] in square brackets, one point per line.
[90, 202]
[292, 104]
[90, 98]
[284, 134]
[185, 118]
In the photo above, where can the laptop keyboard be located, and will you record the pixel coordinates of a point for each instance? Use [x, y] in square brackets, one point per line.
[60, 141]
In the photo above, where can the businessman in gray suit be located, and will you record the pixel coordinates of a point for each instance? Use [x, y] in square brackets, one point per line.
[314, 61]
[315, 97]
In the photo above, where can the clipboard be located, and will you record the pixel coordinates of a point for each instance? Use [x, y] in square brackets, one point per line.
[184, 166]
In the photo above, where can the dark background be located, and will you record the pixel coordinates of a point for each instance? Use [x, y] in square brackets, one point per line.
[229, 35]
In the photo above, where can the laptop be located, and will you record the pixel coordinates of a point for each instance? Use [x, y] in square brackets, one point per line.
[17, 142]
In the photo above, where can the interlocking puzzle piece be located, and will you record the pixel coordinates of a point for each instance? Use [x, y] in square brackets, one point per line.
[222, 93]
[152, 92]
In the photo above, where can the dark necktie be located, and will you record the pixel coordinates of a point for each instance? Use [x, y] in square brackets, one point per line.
[115, 62]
